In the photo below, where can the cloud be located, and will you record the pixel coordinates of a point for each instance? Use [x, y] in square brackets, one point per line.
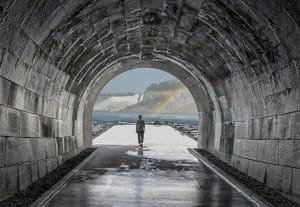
[136, 80]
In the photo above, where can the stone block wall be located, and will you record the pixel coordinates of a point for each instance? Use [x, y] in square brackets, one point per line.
[36, 111]
[264, 134]
[242, 55]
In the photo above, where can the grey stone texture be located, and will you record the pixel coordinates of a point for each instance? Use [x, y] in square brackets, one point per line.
[296, 182]
[30, 125]
[12, 148]
[24, 176]
[267, 151]
[239, 59]
[8, 182]
[279, 177]
[257, 170]
[38, 148]
[13, 122]
[34, 168]
[241, 164]
[42, 168]
[51, 163]
[2, 151]
[289, 153]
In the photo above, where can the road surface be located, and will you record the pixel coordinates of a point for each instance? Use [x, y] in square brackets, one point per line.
[162, 174]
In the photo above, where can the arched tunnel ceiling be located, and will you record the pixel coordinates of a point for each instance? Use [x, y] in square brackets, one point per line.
[218, 37]
[239, 58]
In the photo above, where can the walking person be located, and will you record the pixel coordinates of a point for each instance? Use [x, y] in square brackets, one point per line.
[140, 130]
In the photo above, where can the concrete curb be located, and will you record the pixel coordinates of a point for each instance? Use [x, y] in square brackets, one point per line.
[47, 196]
[254, 198]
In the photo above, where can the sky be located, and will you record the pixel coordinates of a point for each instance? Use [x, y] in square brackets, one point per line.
[136, 80]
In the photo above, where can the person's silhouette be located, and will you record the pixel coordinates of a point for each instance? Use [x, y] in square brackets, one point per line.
[140, 130]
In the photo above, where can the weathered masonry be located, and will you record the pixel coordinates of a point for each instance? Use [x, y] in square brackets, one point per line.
[239, 58]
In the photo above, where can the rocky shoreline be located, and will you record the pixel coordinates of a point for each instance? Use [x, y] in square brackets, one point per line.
[187, 129]
[100, 128]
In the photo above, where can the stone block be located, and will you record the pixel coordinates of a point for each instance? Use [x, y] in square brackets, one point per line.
[13, 122]
[228, 145]
[279, 177]
[63, 158]
[16, 97]
[289, 153]
[241, 164]
[257, 170]
[38, 105]
[296, 183]
[54, 131]
[29, 52]
[66, 145]
[237, 147]
[45, 108]
[267, 151]
[295, 118]
[28, 100]
[295, 125]
[34, 171]
[12, 148]
[46, 127]
[72, 144]
[247, 111]
[286, 152]
[35, 103]
[30, 125]
[19, 74]
[276, 128]
[51, 147]
[257, 129]
[8, 182]
[8, 63]
[42, 168]
[229, 130]
[295, 131]
[3, 122]
[60, 145]
[2, 151]
[241, 130]
[249, 149]
[70, 114]
[132, 13]
[23, 150]
[284, 126]
[17, 151]
[33, 82]
[4, 91]
[52, 164]
[24, 176]
[267, 127]
[37, 149]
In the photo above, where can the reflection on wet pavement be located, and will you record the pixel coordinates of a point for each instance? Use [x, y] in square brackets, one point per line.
[125, 175]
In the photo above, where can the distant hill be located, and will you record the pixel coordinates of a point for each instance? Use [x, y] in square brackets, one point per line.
[168, 97]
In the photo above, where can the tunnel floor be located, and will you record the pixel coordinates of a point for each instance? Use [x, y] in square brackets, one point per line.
[163, 173]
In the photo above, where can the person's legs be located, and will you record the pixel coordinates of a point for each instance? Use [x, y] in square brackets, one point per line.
[139, 138]
[142, 138]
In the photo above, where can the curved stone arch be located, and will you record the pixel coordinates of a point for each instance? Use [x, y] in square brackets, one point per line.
[209, 112]
[247, 50]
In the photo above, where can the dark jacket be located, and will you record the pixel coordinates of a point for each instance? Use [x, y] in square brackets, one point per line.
[140, 126]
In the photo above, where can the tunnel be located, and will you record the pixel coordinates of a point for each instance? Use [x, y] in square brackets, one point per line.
[238, 58]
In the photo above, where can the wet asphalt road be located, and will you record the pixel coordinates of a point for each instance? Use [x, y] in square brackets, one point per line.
[163, 173]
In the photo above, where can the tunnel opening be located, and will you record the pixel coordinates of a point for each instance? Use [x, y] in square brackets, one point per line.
[208, 121]
[159, 97]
